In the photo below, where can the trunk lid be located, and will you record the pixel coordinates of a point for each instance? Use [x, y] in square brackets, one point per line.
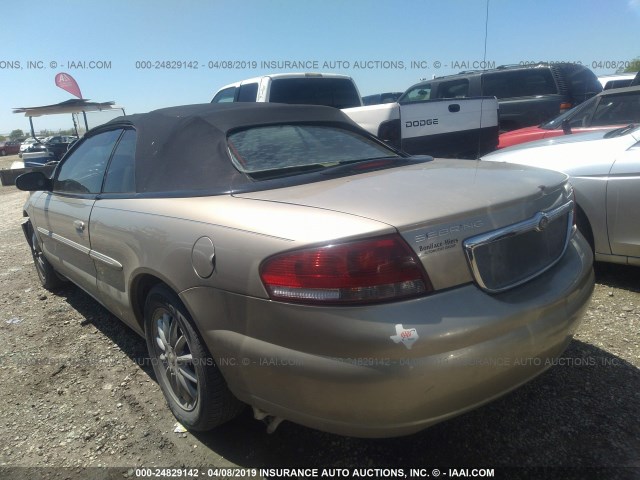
[436, 205]
[431, 192]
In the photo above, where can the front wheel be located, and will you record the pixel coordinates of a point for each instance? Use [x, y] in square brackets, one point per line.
[48, 277]
[190, 380]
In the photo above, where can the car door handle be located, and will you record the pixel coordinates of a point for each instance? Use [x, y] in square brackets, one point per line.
[454, 107]
[79, 225]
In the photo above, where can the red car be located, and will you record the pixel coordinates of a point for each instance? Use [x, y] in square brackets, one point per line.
[609, 109]
[9, 148]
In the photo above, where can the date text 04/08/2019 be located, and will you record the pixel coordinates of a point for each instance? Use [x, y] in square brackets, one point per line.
[311, 472]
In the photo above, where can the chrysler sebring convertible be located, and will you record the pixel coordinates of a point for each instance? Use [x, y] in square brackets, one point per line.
[280, 256]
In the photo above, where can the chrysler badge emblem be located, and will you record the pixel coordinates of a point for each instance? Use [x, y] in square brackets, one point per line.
[543, 223]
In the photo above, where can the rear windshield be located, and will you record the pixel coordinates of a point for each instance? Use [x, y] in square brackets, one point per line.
[331, 92]
[293, 148]
[581, 82]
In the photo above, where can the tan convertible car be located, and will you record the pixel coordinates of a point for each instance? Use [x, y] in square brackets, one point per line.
[280, 256]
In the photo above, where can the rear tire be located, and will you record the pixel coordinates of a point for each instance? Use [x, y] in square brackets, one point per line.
[190, 380]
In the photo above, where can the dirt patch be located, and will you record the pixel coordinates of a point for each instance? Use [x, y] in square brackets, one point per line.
[5, 162]
[77, 391]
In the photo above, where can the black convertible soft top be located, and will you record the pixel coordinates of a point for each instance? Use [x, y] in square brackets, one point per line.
[184, 149]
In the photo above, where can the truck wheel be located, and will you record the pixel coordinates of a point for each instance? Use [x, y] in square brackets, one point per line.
[46, 273]
[190, 380]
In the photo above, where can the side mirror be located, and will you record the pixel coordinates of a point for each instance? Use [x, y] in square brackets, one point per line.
[566, 127]
[34, 181]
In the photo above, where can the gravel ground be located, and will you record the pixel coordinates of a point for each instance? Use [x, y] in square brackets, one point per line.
[77, 392]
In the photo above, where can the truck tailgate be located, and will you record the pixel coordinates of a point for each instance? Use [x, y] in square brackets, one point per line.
[463, 127]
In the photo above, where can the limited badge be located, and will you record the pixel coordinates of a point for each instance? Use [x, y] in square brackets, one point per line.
[406, 336]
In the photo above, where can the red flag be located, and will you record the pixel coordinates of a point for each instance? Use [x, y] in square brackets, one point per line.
[67, 82]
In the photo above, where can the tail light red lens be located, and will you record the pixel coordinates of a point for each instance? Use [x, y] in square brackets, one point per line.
[364, 271]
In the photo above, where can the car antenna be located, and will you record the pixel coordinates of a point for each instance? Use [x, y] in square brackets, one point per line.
[484, 62]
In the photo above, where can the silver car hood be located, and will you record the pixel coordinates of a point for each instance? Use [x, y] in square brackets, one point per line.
[433, 192]
[576, 155]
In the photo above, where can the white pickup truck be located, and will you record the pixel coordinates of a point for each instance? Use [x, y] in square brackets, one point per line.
[455, 127]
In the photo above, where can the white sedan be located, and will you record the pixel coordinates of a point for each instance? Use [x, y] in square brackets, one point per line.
[24, 146]
[604, 168]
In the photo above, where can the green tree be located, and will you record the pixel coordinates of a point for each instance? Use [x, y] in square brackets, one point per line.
[16, 134]
[634, 66]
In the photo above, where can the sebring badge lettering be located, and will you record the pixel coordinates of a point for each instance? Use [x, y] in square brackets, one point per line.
[449, 230]
[421, 123]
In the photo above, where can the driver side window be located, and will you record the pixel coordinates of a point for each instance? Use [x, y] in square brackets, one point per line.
[83, 170]
[418, 94]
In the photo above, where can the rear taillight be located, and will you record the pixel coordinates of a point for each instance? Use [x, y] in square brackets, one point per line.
[364, 271]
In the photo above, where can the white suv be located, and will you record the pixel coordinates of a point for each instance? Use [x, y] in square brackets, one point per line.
[616, 80]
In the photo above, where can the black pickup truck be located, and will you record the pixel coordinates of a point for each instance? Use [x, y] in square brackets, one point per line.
[527, 94]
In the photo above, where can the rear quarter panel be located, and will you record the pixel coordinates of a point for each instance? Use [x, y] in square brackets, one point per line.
[526, 111]
[370, 117]
[156, 237]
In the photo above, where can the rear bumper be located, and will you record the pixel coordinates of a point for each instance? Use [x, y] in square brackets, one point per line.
[346, 370]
